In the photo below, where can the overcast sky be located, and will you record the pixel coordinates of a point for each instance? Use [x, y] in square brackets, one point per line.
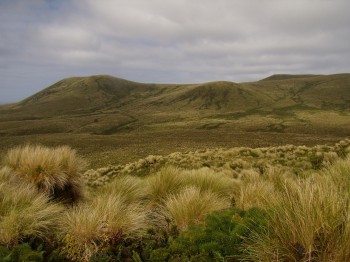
[168, 41]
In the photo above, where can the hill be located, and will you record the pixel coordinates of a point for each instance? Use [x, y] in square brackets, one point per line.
[78, 95]
[286, 76]
[137, 118]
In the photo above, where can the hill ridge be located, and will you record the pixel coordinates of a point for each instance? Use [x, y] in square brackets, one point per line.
[104, 104]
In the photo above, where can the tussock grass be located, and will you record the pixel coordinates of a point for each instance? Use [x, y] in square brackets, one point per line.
[133, 189]
[167, 181]
[257, 194]
[55, 171]
[106, 220]
[7, 176]
[309, 219]
[24, 212]
[233, 161]
[209, 180]
[171, 180]
[305, 193]
[190, 206]
[339, 172]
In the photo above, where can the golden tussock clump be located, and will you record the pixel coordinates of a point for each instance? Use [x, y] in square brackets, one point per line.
[55, 171]
[191, 205]
[24, 212]
[132, 188]
[308, 218]
[107, 220]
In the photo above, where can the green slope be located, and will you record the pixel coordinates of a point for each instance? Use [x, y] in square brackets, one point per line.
[97, 109]
[85, 96]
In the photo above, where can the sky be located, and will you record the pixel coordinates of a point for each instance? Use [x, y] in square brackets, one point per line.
[168, 41]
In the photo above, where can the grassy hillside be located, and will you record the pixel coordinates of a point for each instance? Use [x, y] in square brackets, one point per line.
[129, 120]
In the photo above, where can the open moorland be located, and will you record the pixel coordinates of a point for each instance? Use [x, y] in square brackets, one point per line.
[201, 172]
[115, 121]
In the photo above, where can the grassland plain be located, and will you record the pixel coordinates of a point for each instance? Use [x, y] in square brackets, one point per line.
[111, 120]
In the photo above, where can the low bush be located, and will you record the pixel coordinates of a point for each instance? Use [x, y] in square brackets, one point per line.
[23, 252]
[218, 239]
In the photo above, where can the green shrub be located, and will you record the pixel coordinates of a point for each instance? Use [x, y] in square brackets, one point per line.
[219, 239]
[23, 252]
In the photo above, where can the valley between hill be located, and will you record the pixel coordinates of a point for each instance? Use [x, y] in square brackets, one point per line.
[111, 120]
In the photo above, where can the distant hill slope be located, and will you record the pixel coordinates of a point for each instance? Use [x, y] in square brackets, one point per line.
[331, 92]
[82, 94]
[286, 76]
[86, 94]
[107, 105]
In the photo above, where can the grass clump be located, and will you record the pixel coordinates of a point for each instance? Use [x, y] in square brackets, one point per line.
[165, 182]
[171, 180]
[308, 221]
[209, 180]
[339, 172]
[24, 213]
[101, 224]
[54, 171]
[133, 189]
[191, 205]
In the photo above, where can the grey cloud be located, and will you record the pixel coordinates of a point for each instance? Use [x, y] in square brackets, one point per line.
[168, 41]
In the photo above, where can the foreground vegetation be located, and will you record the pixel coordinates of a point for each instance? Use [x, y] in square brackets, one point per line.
[286, 203]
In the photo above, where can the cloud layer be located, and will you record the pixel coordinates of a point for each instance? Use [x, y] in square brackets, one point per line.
[43, 41]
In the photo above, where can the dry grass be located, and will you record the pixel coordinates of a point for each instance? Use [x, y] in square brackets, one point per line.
[233, 161]
[167, 181]
[55, 171]
[257, 194]
[309, 219]
[262, 190]
[24, 212]
[190, 206]
[340, 174]
[209, 180]
[107, 220]
[304, 190]
[133, 189]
